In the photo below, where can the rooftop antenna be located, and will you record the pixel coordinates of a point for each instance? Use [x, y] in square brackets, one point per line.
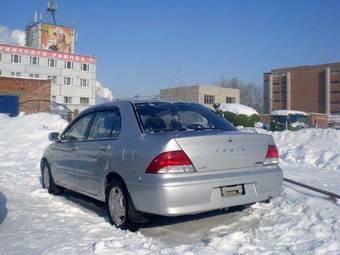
[52, 9]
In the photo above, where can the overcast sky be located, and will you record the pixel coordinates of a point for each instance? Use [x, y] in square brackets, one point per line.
[141, 45]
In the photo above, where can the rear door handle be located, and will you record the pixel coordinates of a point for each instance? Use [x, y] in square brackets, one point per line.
[105, 147]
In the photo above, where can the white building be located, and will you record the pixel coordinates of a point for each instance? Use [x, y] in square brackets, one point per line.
[73, 76]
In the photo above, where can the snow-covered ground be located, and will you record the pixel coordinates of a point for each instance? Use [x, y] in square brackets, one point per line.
[297, 222]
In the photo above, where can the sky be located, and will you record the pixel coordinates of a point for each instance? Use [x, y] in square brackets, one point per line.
[143, 46]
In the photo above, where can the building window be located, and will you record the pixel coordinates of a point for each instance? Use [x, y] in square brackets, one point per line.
[34, 61]
[84, 82]
[85, 67]
[335, 92]
[68, 65]
[335, 82]
[36, 75]
[68, 80]
[0, 56]
[0, 72]
[52, 62]
[17, 74]
[230, 99]
[15, 58]
[84, 100]
[54, 98]
[68, 100]
[209, 99]
[334, 72]
[31, 75]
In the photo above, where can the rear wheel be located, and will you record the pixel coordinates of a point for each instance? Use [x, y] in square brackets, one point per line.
[117, 204]
[48, 182]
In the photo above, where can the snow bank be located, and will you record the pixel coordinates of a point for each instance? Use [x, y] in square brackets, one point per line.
[237, 109]
[316, 147]
[24, 137]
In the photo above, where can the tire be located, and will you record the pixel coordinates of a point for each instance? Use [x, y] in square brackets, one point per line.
[48, 182]
[117, 205]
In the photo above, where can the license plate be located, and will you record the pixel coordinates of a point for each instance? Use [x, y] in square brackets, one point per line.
[232, 190]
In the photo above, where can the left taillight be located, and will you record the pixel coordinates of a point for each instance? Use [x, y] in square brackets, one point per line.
[171, 162]
[272, 156]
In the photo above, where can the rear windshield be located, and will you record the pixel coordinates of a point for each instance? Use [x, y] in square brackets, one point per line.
[163, 116]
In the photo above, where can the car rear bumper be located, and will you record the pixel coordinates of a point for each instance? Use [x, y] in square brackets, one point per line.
[180, 194]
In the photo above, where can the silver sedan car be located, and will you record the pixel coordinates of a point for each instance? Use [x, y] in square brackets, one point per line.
[165, 158]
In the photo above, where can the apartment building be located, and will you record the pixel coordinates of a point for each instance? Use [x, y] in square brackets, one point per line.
[73, 76]
[310, 88]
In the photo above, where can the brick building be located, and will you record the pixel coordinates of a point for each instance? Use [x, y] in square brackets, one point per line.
[314, 89]
[27, 89]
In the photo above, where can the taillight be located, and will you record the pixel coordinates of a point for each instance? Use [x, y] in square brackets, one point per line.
[171, 162]
[272, 156]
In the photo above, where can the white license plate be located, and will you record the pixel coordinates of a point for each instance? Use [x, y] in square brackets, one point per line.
[232, 190]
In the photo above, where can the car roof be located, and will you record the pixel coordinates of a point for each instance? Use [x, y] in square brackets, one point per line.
[109, 105]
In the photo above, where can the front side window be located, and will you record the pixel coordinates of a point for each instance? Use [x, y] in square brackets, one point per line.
[106, 125]
[162, 116]
[77, 130]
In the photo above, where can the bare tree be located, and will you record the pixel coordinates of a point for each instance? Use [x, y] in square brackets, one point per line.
[250, 93]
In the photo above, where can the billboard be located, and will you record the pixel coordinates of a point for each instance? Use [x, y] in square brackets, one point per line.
[56, 38]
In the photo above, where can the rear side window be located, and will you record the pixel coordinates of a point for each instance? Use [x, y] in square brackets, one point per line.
[163, 116]
[106, 125]
[77, 131]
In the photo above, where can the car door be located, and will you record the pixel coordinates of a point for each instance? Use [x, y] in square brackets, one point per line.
[65, 152]
[95, 154]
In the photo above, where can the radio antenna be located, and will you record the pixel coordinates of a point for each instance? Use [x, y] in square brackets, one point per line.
[52, 9]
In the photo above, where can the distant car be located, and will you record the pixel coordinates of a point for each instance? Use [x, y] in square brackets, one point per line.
[289, 120]
[163, 158]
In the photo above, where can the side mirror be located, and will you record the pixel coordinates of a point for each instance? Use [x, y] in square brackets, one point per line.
[53, 137]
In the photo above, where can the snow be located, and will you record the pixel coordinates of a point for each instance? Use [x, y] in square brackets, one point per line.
[298, 222]
[287, 112]
[237, 109]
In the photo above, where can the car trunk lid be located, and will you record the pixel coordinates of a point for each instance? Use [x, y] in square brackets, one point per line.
[225, 151]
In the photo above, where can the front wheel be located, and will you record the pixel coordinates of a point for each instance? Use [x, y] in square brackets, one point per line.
[117, 204]
[48, 182]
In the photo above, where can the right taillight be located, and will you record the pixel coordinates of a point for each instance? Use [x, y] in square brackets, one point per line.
[171, 162]
[272, 156]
